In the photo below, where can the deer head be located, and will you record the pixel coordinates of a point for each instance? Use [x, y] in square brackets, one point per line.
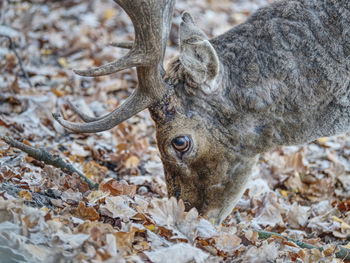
[206, 164]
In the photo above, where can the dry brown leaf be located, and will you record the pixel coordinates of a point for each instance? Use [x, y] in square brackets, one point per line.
[252, 236]
[25, 195]
[330, 250]
[132, 162]
[115, 188]
[227, 242]
[93, 169]
[95, 196]
[125, 240]
[118, 207]
[86, 213]
[167, 233]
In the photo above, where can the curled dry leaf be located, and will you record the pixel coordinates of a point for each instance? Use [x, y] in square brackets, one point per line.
[115, 188]
[92, 168]
[252, 236]
[86, 213]
[181, 252]
[167, 211]
[270, 211]
[343, 206]
[118, 206]
[125, 240]
[95, 196]
[74, 240]
[25, 195]
[172, 215]
[227, 242]
[298, 215]
[71, 196]
[132, 162]
[267, 252]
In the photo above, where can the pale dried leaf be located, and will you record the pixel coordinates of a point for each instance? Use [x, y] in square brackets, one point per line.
[181, 252]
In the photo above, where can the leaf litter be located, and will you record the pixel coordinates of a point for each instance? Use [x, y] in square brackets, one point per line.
[47, 215]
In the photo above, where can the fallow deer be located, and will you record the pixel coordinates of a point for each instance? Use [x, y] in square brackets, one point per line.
[280, 78]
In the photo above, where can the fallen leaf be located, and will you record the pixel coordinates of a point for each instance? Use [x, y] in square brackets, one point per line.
[227, 242]
[63, 62]
[71, 196]
[181, 252]
[115, 188]
[125, 240]
[132, 162]
[25, 195]
[118, 206]
[298, 215]
[96, 196]
[108, 14]
[86, 213]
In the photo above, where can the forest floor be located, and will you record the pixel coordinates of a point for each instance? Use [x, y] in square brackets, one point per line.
[49, 215]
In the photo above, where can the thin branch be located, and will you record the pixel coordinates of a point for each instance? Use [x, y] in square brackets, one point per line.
[13, 48]
[47, 158]
[343, 252]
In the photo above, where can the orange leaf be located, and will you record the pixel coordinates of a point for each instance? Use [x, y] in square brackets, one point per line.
[126, 239]
[302, 254]
[25, 195]
[86, 213]
[93, 169]
[167, 233]
[344, 206]
[132, 162]
[26, 142]
[288, 243]
[58, 93]
[116, 189]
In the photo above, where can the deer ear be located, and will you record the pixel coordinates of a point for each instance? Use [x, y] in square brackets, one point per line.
[197, 55]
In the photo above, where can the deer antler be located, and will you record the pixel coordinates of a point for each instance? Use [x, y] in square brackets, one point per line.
[151, 20]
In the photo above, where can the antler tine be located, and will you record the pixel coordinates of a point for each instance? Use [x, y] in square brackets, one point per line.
[82, 115]
[128, 61]
[117, 116]
[126, 45]
[151, 20]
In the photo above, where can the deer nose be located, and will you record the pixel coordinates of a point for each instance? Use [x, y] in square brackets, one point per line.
[187, 204]
[177, 194]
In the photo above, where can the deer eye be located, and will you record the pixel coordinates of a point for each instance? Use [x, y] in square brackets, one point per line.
[181, 143]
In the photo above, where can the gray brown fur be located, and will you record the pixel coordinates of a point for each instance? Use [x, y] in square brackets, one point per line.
[280, 78]
[285, 79]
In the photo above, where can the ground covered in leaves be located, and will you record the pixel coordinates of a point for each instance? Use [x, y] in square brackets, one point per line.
[48, 215]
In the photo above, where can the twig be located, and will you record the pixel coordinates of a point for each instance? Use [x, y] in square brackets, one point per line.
[47, 158]
[343, 252]
[13, 48]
